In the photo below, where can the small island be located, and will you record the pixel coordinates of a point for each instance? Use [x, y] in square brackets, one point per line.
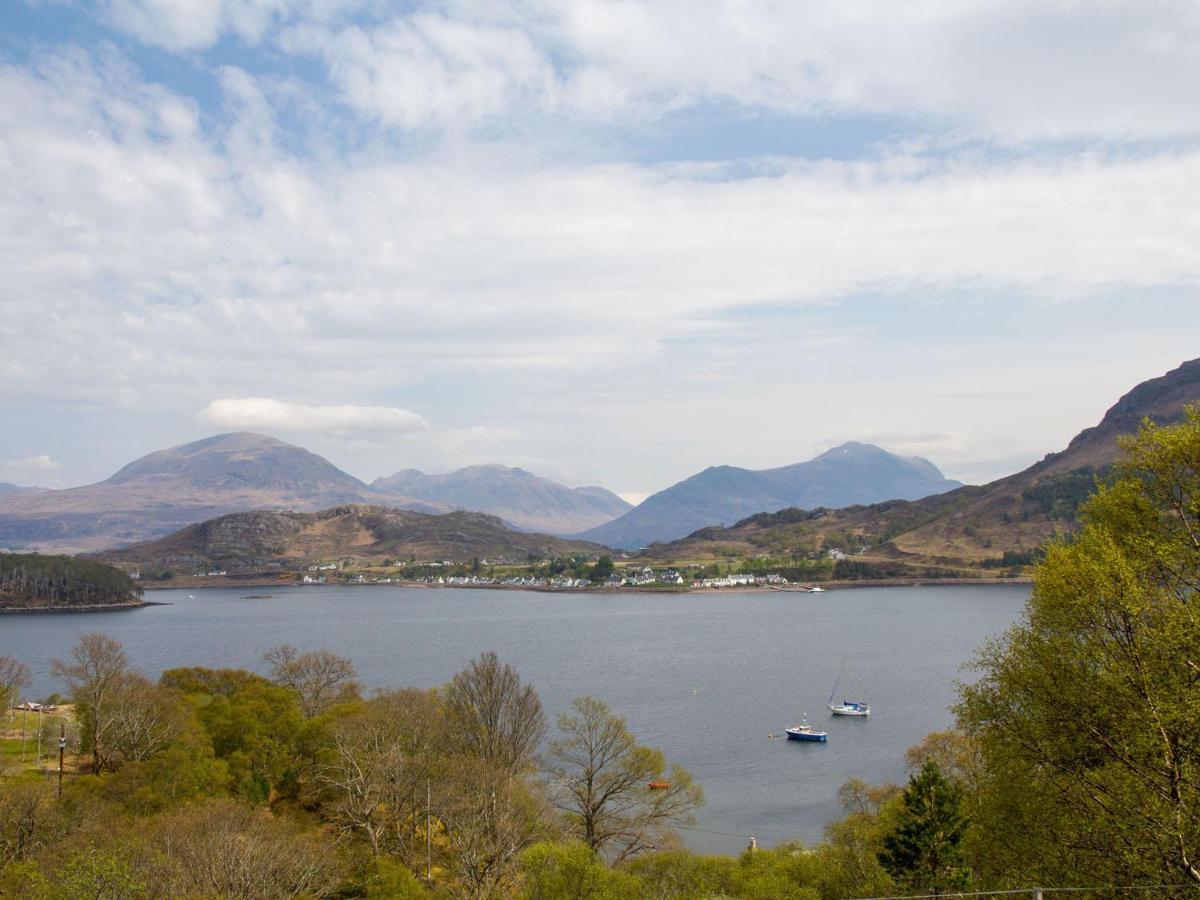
[30, 582]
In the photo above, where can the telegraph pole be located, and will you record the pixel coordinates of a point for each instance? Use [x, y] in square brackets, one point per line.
[62, 747]
[428, 833]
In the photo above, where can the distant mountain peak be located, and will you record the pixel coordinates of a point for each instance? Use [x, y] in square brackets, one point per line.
[166, 489]
[848, 474]
[516, 495]
[257, 460]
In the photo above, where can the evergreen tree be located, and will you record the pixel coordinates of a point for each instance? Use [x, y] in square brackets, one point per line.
[924, 852]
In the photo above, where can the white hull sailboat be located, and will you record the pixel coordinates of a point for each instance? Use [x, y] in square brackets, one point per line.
[846, 707]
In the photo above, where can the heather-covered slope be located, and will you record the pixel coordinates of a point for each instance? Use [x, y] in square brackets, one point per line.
[363, 533]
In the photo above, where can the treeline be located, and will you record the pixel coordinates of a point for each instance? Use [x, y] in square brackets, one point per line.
[227, 783]
[33, 580]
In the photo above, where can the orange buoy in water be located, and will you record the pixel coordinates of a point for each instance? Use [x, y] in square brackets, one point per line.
[659, 785]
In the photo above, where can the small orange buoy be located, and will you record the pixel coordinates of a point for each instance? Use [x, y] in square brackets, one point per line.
[659, 785]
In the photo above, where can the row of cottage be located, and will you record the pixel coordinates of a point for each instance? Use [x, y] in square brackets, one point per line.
[629, 578]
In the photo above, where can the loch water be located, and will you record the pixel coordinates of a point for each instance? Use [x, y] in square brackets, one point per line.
[706, 676]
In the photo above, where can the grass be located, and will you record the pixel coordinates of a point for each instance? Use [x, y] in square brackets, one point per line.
[12, 749]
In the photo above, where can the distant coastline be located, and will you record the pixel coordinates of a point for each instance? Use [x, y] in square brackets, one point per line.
[548, 589]
[106, 607]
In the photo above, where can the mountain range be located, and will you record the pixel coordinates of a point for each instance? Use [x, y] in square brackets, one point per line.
[901, 508]
[168, 489]
[989, 525]
[226, 473]
[852, 473]
[519, 497]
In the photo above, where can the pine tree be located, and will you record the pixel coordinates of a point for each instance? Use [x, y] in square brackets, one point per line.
[924, 852]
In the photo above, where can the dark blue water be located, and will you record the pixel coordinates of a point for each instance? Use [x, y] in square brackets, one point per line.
[705, 677]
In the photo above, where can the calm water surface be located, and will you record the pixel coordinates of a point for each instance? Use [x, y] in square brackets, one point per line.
[705, 677]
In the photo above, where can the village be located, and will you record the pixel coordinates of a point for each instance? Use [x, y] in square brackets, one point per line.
[642, 577]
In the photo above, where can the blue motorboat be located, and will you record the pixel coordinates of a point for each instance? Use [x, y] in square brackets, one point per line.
[805, 732]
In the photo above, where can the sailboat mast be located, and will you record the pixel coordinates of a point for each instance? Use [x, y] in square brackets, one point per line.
[836, 683]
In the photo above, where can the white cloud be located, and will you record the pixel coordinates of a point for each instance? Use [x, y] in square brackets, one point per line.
[214, 264]
[181, 25]
[432, 70]
[30, 464]
[157, 256]
[1014, 69]
[264, 412]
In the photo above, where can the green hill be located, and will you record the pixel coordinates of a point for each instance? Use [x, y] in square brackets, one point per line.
[268, 539]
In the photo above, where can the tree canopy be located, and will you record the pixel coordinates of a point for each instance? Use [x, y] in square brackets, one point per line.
[1087, 714]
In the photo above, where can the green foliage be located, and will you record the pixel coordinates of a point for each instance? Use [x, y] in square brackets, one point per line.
[1087, 714]
[924, 852]
[32, 580]
[257, 730]
[92, 873]
[182, 774]
[1060, 496]
[603, 568]
[222, 682]
[391, 880]
[1014, 559]
[681, 875]
[765, 874]
[554, 871]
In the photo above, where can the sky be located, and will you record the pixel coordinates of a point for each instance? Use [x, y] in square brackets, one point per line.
[610, 241]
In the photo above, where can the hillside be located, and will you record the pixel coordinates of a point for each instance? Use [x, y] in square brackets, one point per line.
[31, 581]
[850, 474]
[519, 497]
[999, 524]
[168, 489]
[290, 540]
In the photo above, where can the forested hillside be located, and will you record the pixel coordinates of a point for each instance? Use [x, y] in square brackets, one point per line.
[34, 581]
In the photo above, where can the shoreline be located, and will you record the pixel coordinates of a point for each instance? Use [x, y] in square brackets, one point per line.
[826, 586]
[666, 589]
[108, 607]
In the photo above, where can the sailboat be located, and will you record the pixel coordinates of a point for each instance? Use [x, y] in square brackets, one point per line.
[846, 707]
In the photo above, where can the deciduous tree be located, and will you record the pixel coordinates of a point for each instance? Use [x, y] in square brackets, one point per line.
[377, 767]
[492, 715]
[93, 674]
[602, 779]
[489, 816]
[1088, 712]
[318, 677]
[14, 678]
